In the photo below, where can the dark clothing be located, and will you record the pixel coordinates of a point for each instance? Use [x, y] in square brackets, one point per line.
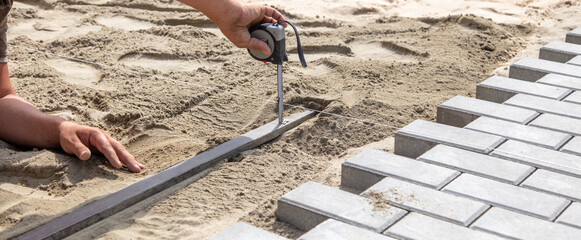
[5, 6]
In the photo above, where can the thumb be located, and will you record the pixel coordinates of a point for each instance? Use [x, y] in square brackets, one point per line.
[260, 45]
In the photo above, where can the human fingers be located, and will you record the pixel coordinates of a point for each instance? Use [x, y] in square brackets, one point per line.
[258, 44]
[125, 156]
[72, 144]
[99, 140]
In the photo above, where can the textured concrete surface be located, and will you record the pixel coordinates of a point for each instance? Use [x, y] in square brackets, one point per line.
[518, 226]
[532, 69]
[574, 36]
[541, 205]
[244, 231]
[460, 110]
[428, 201]
[555, 183]
[545, 105]
[559, 51]
[312, 203]
[573, 146]
[529, 134]
[558, 80]
[571, 216]
[420, 136]
[575, 61]
[417, 226]
[558, 123]
[499, 89]
[477, 164]
[370, 166]
[574, 97]
[336, 230]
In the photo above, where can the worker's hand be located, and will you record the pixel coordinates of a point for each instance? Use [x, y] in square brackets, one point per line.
[236, 28]
[81, 140]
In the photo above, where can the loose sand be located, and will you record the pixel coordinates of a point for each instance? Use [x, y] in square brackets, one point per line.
[385, 61]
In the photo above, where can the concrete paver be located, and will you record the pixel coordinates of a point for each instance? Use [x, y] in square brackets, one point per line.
[574, 97]
[312, 203]
[512, 197]
[529, 134]
[477, 164]
[545, 105]
[575, 61]
[461, 110]
[336, 230]
[558, 80]
[558, 123]
[573, 146]
[428, 201]
[574, 36]
[532, 69]
[539, 157]
[571, 216]
[244, 231]
[555, 183]
[370, 166]
[559, 51]
[417, 226]
[518, 226]
[499, 89]
[420, 136]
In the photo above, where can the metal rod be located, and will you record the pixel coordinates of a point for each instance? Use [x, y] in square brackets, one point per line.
[280, 102]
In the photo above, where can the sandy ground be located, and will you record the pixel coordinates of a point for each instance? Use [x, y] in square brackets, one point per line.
[384, 61]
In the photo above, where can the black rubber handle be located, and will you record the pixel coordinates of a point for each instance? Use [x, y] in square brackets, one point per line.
[299, 47]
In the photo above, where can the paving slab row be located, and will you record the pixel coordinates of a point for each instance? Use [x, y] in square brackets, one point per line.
[559, 51]
[558, 123]
[575, 61]
[571, 216]
[558, 80]
[499, 89]
[532, 69]
[545, 105]
[555, 183]
[574, 36]
[336, 230]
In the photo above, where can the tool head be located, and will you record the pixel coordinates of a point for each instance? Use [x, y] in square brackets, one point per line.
[274, 36]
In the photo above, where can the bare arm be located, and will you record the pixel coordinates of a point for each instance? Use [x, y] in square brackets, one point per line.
[23, 124]
[234, 18]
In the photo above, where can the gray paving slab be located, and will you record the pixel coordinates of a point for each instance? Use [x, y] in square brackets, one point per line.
[545, 105]
[420, 136]
[558, 80]
[575, 61]
[460, 110]
[558, 123]
[555, 183]
[477, 164]
[244, 231]
[335, 230]
[370, 166]
[428, 201]
[559, 51]
[312, 203]
[508, 196]
[573, 146]
[518, 226]
[529, 134]
[574, 97]
[417, 226]
[574, 36]
[532, 69]
[571, 216]
[499, 89]
[539, 157]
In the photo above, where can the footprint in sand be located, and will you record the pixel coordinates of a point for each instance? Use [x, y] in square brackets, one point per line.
[78, 73]
[385, 50]
[164, 62]
[122, 22]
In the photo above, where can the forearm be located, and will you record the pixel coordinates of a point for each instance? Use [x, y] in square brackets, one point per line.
[218, 11]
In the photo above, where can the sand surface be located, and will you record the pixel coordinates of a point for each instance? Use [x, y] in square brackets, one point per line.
[384, 61]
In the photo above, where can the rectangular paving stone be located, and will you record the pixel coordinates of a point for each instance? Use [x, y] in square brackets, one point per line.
[573, 146]
[532, 69]
[558, 80]
[559, 51]
[558, 123]
[428, 201]
[460, 110]
[420, 136]
[512, 197]
[417, 226]
[518, 226]
[574, 97]
[499, 89]
[571, 216]
[555, 183]
[529, 134]
[477, 164]
[575, 61]
[336, 230]
[244, 231]
[574, 36]
[312, 203]
[545, 105]
[370, 166]
[539, 157]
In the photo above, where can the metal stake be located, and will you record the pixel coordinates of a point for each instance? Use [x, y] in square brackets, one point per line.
[280, 103]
